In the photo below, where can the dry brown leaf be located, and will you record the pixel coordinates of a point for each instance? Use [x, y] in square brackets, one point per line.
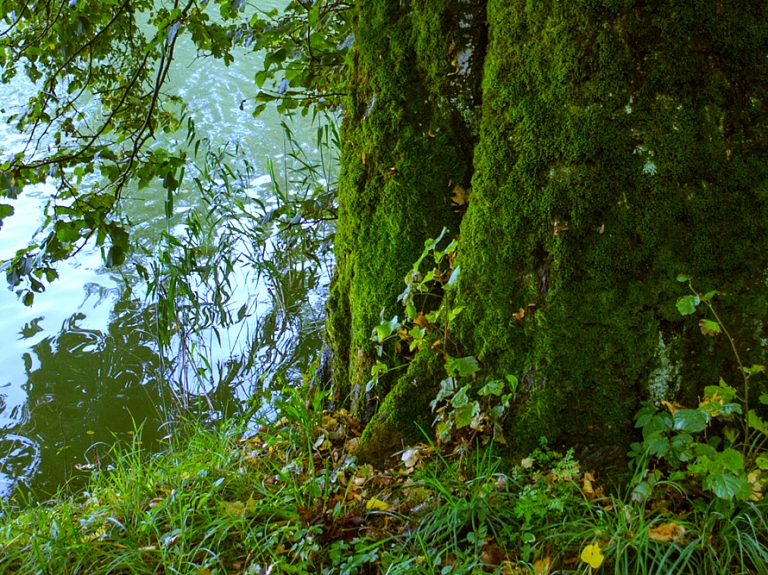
[460, 196]
[421, 320]
[586, 486]
[672, 407]
[519, 315]
[666, 532]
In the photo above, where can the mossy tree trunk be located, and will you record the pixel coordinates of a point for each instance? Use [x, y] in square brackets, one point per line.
[612, 146]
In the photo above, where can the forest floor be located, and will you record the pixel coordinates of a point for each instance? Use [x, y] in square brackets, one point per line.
[283, 495]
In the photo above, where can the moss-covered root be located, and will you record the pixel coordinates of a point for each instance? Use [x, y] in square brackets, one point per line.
[405, 415]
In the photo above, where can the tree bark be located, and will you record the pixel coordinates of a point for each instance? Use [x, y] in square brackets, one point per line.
[608, 146]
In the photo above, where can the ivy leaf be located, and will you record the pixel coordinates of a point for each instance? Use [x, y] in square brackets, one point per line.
[454, 277]
[709, 327]
[495, 387]
[464, 366]
[686, 305]
[466, 414]
[460, 399]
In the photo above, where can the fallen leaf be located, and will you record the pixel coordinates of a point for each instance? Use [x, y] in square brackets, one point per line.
[586, 486]
[542, 566]
[155, 502]
[492, 554]
[410, 457]
[421, 320]
[363, 158]
[376, 505]
[559, 228]
[666, 532]
[236, 508]
[527, 463]
[593, 556]
[460, 196]
[519, 315]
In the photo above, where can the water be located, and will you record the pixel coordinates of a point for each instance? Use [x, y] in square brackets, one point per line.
[81, 368]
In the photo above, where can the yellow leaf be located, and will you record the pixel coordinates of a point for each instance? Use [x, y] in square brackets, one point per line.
[592, 556]
[89, 432]
[376, 504]
[542, 566]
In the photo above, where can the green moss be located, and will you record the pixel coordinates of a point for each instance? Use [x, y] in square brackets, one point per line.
[405, 412]
[641, 131]
[619, 144]
[405, 146]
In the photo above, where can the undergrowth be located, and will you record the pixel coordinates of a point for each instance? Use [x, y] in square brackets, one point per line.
[281, 495]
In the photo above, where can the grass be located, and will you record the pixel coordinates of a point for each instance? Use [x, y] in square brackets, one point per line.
[283, 496]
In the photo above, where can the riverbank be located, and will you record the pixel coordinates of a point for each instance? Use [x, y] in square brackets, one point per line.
[282, 495]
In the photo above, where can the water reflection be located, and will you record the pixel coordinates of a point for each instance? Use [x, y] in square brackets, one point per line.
[84, 388]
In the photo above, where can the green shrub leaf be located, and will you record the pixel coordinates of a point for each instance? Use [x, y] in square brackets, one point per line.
[691, 420]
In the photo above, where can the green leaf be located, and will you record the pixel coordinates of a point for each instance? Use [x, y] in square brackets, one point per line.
[754, 369]
[683, 278]
[756, 422]
[460, 399]
[726, 486]
[464, 366]
[115, 257]
[658, 446]
[730, 460]
[5, 211]
[642, 491]
[709, 327]
[455, 312]
[686, 305]
[454, 277]
[709, 295]
[385, 328]
[764, 398]
[762, 462]
[465, 415]
[691, 420]
[495, 387]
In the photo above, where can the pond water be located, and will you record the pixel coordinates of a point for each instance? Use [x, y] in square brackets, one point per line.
[83, 368]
